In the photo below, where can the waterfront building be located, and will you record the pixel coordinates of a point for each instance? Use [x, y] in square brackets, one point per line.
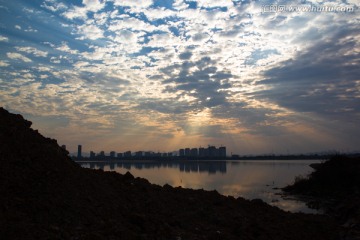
[222, 151]
[79, 155]
[212, 151]
[187, 151]
[139, 154]
[127, 154]
[201, 152]
[194, 152]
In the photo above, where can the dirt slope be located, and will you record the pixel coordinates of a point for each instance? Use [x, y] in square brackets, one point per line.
[45, 195]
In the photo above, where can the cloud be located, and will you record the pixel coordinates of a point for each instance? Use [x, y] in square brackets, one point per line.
[64, 47]
[185, 55]
[208, 68]
[90, 31]
[18, 56]
[31, 30]
[153, 14]
[4, 39]
[180, 5]
[4, 64]
[81, 12]
[130, 23]
[323, 79]
[94, 5]
[200, 80]
[134, 4]
[53, 6]
[214, 3]
[31, 50]
[76, 12]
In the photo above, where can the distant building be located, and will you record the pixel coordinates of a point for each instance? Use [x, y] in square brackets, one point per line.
[92, 155]
[222, 152]
[194, 152]
[212, 151]
[79, 151]
[201, 152]
[112, 154]
[187, 151]
[119, 155]
[139, 154]
[181, 152]
[127, 154]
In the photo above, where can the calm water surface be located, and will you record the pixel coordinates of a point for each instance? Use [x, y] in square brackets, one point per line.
[248, 179]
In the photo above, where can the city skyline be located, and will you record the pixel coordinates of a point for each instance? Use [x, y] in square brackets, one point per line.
[209, 151]
[255, 76]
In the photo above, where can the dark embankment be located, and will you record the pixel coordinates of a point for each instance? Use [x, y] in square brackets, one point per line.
[334, 186]
[45, 195]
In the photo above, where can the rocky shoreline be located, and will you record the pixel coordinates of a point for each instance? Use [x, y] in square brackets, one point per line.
[45, 195]
[334, 188]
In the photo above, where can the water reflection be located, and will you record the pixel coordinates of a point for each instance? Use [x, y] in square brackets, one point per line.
[210, 167]
[248, 179]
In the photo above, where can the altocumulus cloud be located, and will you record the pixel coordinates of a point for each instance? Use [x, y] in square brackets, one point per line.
[120, 75]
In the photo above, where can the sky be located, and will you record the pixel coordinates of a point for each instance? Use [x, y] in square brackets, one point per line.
[259, 77]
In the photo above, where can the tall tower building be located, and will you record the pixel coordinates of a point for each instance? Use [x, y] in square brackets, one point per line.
[187, 151]
[222, 151]
[79, 151]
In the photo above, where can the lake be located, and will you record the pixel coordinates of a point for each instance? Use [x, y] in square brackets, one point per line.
[250, 179]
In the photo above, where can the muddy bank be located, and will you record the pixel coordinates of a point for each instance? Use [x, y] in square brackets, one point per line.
[45, 195]
[334, 187]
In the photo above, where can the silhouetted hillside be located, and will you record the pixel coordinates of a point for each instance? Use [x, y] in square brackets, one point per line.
[335, 187]
[45, 195]
[336, 178]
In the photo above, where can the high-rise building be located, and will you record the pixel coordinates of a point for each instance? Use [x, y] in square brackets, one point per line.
[212, 151]
[201, 152]
[92, 154]
[222, 151]
[139, 154]
[181, 152]
[79, 151]
[112, 154]
[187, 151]
[194, 152]
[127, 154]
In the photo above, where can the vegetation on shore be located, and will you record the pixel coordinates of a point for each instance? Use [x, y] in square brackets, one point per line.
[335, 178]
[334, 187]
